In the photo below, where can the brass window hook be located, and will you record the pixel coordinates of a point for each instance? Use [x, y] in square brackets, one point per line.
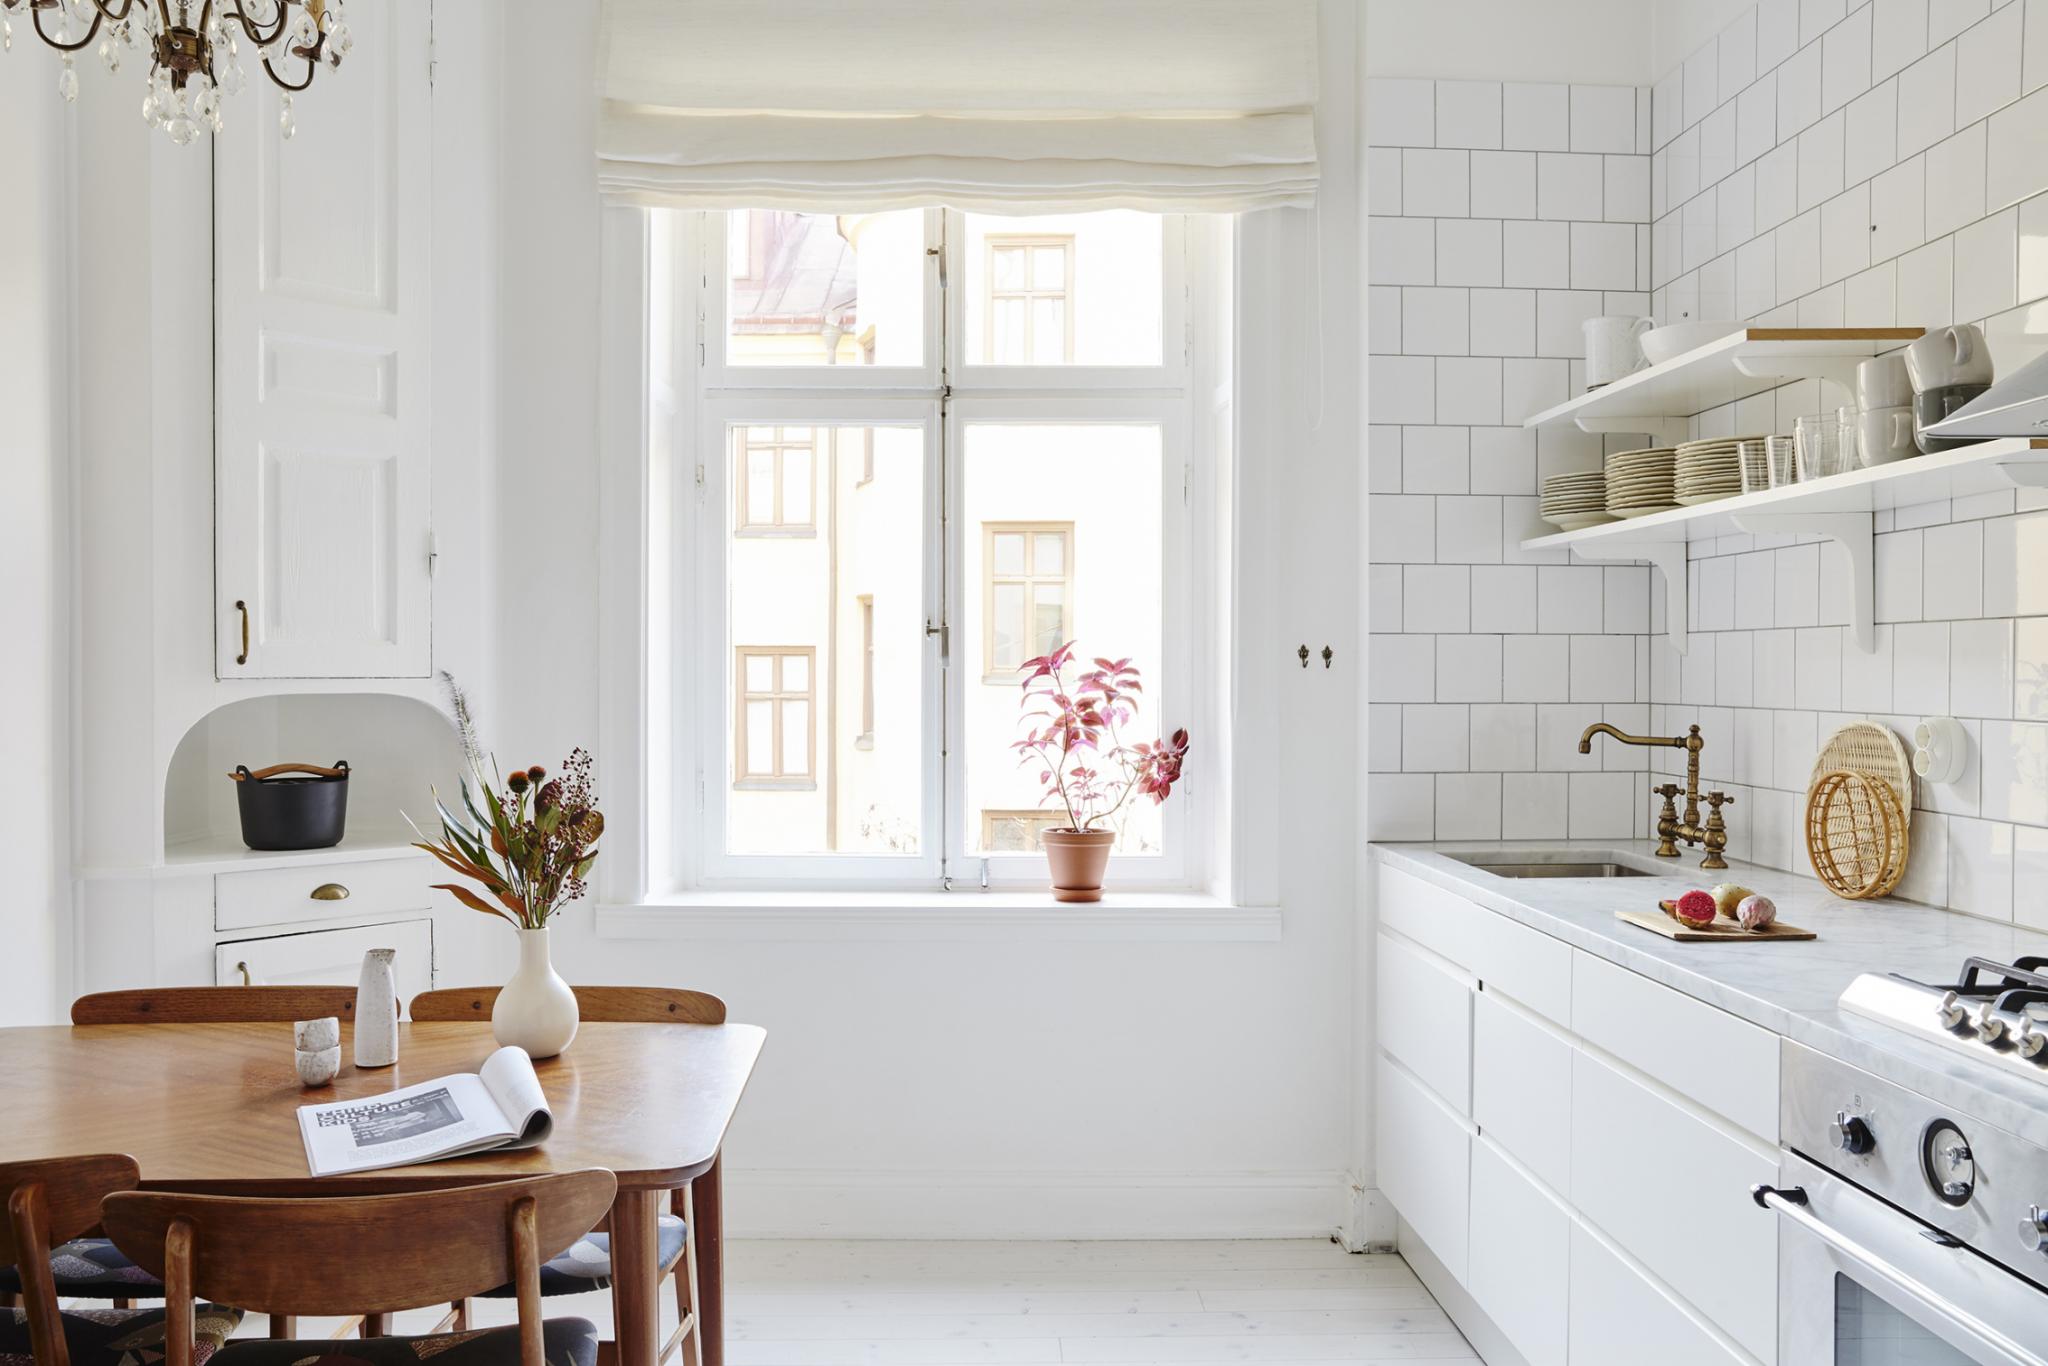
[1328, 655]
[1302, 653]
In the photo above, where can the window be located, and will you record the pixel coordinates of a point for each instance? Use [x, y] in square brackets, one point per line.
[1017, 832]
[878, 539]
[1030, 313]
[775, 474]
[773, 743]
[1027, 594]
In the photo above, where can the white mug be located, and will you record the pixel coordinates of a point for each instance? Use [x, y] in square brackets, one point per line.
[1948, 355]
[1614, 348]
[1882, 382]
[1885, 434]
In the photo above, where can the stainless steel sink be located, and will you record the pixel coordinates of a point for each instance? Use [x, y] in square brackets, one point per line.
[1512, 868]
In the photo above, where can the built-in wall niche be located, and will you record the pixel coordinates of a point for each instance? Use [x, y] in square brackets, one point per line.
[399, 751]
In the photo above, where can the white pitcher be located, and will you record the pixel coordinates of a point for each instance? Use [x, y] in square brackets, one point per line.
[1614, 347]
[377, 1010]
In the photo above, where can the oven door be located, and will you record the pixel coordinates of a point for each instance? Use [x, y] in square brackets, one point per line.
[1861, 1282]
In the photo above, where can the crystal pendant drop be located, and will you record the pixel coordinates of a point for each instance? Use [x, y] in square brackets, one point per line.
[286, 124]
[6, 35]
[232, 81]
[110, 53]
[181, 130]
[67, 81]
[149, 107]
[340, 43]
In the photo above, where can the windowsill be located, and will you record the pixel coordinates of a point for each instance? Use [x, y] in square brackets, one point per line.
[775, 785]
[1121, 917]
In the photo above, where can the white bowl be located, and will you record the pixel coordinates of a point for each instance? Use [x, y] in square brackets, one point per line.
[1675, 339]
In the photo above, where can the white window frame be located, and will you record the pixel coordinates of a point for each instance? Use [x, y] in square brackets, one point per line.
[678, 699]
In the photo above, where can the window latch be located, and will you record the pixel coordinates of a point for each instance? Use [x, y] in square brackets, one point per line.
[945, 635]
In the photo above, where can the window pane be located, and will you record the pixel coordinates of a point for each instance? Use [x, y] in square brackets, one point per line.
[760, 486]
[1049, 553]
[1115, 286]
[1009, 552]
[1007, 651]
[807, 288]
[1048, 331]
[1108, 483]
[802, 599]
[1009, 267]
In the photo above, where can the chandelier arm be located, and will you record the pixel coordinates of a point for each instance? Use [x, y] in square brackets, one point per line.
[312, 56]
[250, 27]
[60, 44]
[117, 15]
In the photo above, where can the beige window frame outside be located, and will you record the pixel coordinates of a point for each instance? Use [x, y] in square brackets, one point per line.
[1034, 821]
[1026, 242]
[779, 778]
[991, 671]
[866, 738]
[743, 446]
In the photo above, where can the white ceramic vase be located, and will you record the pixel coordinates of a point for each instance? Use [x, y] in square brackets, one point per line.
[536, 1010]
[377, 1010]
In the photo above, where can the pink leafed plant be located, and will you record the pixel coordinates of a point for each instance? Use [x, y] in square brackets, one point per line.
[1072, 734]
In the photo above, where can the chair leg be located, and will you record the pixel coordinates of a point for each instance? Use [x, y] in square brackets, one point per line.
[376, 1325]
[124, 1304]
[686, 1282]
[9, 1300]
[283, 1327]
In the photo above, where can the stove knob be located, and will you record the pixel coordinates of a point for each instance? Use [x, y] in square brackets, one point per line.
[1990, 1024]
[2029, 1040]
[1951, 1011]
[2034, 1229]
[1958, 1191]
[1851, 1134]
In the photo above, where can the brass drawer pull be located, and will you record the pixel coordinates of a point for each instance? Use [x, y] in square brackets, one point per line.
[330, 891]
[242, 606]
[243, 968]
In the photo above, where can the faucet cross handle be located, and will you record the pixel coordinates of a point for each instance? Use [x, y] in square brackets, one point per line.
[1667, 790]
[1717, 800]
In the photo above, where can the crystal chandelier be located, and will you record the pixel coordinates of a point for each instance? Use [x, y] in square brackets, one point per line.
[195, 49]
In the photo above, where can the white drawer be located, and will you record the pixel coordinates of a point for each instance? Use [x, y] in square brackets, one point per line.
[1617, 1316]
[1673, 1191]
[1425, 1156]
[1526, 964]
[287, 896]
[1522, 1089]
[1520, 1249]
[1721, 1063]
[1425, 1020]
[1441, 921]
[330, 957]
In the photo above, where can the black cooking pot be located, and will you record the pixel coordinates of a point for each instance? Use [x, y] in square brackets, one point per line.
[304, 812]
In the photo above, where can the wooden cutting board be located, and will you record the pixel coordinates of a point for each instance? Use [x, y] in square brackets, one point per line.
[1721, 930]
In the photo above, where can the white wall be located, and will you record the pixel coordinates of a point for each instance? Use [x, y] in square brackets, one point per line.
[35, 338]
[979, 1088]
[1598, 42]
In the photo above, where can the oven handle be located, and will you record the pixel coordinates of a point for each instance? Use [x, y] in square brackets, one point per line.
[1792, 1203]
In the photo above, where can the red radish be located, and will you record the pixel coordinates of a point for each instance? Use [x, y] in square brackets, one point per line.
[1696, 908]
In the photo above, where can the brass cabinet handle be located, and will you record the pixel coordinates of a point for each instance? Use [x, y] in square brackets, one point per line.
[243, 968]
[330, 891]
[243, 607]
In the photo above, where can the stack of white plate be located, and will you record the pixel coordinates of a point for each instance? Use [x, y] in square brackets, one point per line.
[1709, 470]
[1642, 482]
[1573, 501]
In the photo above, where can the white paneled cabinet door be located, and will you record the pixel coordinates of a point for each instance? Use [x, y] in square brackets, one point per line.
[331, 958]
[322, 532]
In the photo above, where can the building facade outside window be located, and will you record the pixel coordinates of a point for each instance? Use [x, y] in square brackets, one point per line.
[1027, 594]
[1030, 317]
[774, 741]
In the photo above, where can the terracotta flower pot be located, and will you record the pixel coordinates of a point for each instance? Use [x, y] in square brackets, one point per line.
[1077, 859]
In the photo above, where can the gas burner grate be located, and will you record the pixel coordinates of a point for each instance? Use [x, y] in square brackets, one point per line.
[2029, 972]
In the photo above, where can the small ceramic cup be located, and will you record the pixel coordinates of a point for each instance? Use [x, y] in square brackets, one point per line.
[1882, 382]
[1614, 348]
[317, 1066]
[310, 1036]
[1931, 406]
[1885, 434]
[1948, 356]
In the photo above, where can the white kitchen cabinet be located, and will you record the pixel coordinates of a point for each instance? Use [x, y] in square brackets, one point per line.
[1424, 1164]
[376, 889]
[1672, 1189]
[322, 536]
[1425, 1019]
[1522, 1088]
[1618, 1318]
[1518, 1255]
[330, 957]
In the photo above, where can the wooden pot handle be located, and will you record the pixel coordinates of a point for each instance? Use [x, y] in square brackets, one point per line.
[340, 770]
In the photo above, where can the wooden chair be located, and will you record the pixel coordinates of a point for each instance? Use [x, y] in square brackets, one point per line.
[381, 1252]
[587, 1266]
[59, 1199]
[93, 1268]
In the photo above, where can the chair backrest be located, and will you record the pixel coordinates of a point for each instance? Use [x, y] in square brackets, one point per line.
[214, 1005]
[356, 1254]
[618, 1005]
[52, 1201]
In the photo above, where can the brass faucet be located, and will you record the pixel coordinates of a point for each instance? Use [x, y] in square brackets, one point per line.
[1713, 834]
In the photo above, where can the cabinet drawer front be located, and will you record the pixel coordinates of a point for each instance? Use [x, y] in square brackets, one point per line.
[1674, 1193]
[330, 957]
[1519, 1256]
[1725, 1065]
[285, 896]
[1528, 965]
[1425, 1020]
[1522, 1089]
[1441, 921]
[1425, 1156]
[1616, 1315]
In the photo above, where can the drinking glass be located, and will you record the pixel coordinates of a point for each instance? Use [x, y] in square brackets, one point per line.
[1781, 455]
[1818, 438]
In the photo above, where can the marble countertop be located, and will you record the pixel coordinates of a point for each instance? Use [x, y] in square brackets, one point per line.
[1789, 986]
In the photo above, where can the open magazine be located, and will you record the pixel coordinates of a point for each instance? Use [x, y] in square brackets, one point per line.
[501, 1105]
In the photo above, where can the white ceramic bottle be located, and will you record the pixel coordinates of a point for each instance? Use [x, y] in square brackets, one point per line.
[536, 1010]
[377, 1010]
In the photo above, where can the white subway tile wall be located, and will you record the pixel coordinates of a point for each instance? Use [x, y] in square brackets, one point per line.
[1817, 163]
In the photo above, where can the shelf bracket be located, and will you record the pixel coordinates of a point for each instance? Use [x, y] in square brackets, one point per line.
[1665, 431]
[1839, 371]
[2026, 472]
[1850, 534]
[1669, 558]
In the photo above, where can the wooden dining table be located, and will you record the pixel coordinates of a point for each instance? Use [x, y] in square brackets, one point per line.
[214, 1108]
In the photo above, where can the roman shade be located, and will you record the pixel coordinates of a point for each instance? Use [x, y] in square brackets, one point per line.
[1166, 105]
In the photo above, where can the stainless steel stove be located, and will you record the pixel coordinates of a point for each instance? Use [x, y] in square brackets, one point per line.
[1908, 1221]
